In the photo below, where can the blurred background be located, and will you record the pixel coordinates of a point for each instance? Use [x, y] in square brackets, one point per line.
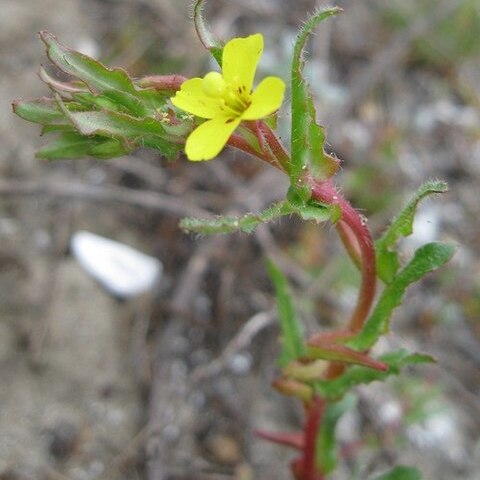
[170, 384]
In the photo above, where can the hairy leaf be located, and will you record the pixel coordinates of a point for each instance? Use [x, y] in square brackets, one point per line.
[98, 77]
[139, 132]
[43, 110]
[73, 145]
[308, 137]
[229, 224]
[114, 100]
[427, 258]
[93, 73]
[402, 226]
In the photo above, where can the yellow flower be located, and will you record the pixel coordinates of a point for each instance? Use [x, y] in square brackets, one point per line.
[226, 99]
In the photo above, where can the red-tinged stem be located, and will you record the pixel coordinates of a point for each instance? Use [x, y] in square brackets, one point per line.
[351, 227]
[350, 243]
[325, 192]
[312, 425]
[237, 141]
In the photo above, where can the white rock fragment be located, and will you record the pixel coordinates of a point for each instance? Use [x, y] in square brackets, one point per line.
[120, 269]
[440, 432]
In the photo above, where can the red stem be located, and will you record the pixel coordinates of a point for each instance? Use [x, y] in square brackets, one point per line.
[325, 192]
[358, 242]
[350, 242]
[239, 142]
[312, 425]
[352, 228]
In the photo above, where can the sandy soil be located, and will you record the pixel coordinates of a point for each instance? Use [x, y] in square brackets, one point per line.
[94, 388]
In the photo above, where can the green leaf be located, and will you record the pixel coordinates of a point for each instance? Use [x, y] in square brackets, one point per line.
[340, 353]
[299, 194]
[401, 473]
[293, 345]
[108, 148]
[114, 100]
[358, 375]
[114, 124]
[326, 449]
[66, 146]
[247, 223]
[98, 77]
[402, 226]
[93, 73]
[141, 132]
[427, 258]
[71, 145]
[229, 224]
[319, 212]
[308, 137]
[43, 110]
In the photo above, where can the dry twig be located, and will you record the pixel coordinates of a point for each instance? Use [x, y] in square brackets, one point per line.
[102, 193]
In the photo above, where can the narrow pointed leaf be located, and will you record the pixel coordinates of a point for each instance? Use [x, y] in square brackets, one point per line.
[358, 375]
[402, 226]
[229, 224]
[93, 73]
[67, 146]
[115, 100]
[341, 353]
[292, 343]
[71, 145]
[114, 124]
[426, 259]
[43, 110]
[98, 77]
[308, 137]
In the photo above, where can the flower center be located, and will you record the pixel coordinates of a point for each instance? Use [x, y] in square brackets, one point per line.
[234, 97]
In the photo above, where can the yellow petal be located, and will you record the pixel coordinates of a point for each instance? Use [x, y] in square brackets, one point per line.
[266, 98]
[193, 99]
[207, 140]
[240, 59]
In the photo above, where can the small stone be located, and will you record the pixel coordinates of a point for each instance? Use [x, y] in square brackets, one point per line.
[224, 448]
[62, 440]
